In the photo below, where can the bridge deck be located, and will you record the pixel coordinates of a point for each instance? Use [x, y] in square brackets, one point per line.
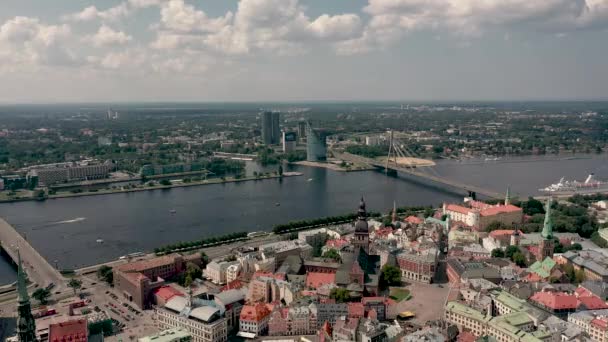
[467, 187]
[37, 268]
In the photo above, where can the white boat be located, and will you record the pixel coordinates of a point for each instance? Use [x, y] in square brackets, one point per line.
[309, 180]
[564, 186]
[99, 240]
[172, 211]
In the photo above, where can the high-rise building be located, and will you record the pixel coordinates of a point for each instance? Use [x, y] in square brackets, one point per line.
[301, 130]
[316, 146]
[289, 141]
[26, 326]
[271, 133]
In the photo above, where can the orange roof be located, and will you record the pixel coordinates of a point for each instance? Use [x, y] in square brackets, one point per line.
[355, 310]
[318, 279]
[555, 300]
[255, 312]
[593, 303]
[235, 284]
[500, 209]
[72, 331]
[600, 322]
[466, 336]
[503, 232]
[459, 209]
[413, 220]
[336, 243]
[167, 292]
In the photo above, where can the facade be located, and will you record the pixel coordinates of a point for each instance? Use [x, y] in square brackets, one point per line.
[202, 319]
[329, 311]
[169, 335]
[270, 128]
[593, 263]
[137, 280]
[232, 301]
[418, 265]
[254, 319]
[316, 145]
[282, 249]
[479, 215]
[289, 141]
[361, 239]
[593, 322]
[216, 271]
[55, 175]
[293, 321]
[232, 272]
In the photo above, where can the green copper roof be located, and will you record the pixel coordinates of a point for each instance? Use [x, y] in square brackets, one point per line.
[21, 281]
[547, 232]
[543, 268]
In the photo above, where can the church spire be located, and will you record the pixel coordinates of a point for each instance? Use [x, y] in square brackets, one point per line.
[508, 196]
[394, 217]
[547, 232]
[26, 326]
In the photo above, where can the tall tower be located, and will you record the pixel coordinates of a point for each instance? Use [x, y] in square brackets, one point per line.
[394, 216]
[545, 248]
[508, 196]
[26, 326]
[361, 240]
[271, 133]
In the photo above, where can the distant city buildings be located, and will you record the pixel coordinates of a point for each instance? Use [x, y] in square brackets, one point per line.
[271, 132]
[289, 142]
[71, 172]
[316, 145]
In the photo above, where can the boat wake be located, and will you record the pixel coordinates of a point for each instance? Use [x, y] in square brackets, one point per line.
[78, 219]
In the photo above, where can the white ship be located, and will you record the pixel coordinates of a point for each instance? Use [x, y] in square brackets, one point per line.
[590, 185]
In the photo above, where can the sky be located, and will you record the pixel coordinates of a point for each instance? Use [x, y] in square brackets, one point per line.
[302, 50]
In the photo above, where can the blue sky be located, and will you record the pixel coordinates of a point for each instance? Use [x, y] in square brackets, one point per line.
[298, 50]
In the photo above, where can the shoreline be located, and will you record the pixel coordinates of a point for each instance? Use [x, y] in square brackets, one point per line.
[152, 188]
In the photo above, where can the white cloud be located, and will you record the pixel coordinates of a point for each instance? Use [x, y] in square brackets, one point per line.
[144, 3]
[107, 36]
[277, 26]
[27, 43]
[92, 13]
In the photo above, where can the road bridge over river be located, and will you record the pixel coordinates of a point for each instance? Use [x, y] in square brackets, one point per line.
[418, 173]
[37, 268]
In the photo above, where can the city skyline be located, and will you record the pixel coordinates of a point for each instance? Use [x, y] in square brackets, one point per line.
[270, 50]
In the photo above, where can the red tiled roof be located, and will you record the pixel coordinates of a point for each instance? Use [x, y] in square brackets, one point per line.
[413, 219]
[317, 279]
[466, 336]
[555, 300]
[582, 292]
[70, 331]
[500, 209]
[336, 243]
[459, 209]
[255, 312]
[355, 310]
[167, 292]
[503, 232]
[593, 303]
[365, 300]
[233, 285]
[600, 322]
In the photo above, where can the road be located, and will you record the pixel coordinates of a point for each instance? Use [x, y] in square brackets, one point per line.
[37, 268]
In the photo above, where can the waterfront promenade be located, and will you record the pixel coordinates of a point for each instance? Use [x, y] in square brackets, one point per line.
[37, 268]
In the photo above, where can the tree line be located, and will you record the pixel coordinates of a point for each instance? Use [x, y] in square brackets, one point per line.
[302, 224]
[215, 240]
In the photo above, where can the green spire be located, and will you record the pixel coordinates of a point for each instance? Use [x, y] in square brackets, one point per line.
[21, 281]
[508, 196]
[547, 232]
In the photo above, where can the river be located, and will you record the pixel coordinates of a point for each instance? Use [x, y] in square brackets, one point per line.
[65, 231]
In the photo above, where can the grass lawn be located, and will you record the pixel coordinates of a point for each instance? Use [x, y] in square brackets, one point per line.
[399, 294]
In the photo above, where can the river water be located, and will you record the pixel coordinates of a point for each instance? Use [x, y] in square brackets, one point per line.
[65, 231]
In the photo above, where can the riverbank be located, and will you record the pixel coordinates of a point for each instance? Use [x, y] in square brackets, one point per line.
[148, 187]
[334, 167]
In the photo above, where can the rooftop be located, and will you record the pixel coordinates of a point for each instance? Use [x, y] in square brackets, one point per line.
[166, 336]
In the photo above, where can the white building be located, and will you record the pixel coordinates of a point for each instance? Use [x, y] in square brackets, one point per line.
[232, 272]
[216, 271]
[204, 320]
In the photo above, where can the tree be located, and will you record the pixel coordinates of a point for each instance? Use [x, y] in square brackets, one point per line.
[204, 259]
[333, 254]
[42, 295]
[165, 182]
[340, 295]
[495, 225]
[533, 206]
[75, 284]
[510, 251]
[280, 170]
[579, 276]
[105, 273]
[519, 259]
[188, 281]
[390, 275]
[498, 253]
